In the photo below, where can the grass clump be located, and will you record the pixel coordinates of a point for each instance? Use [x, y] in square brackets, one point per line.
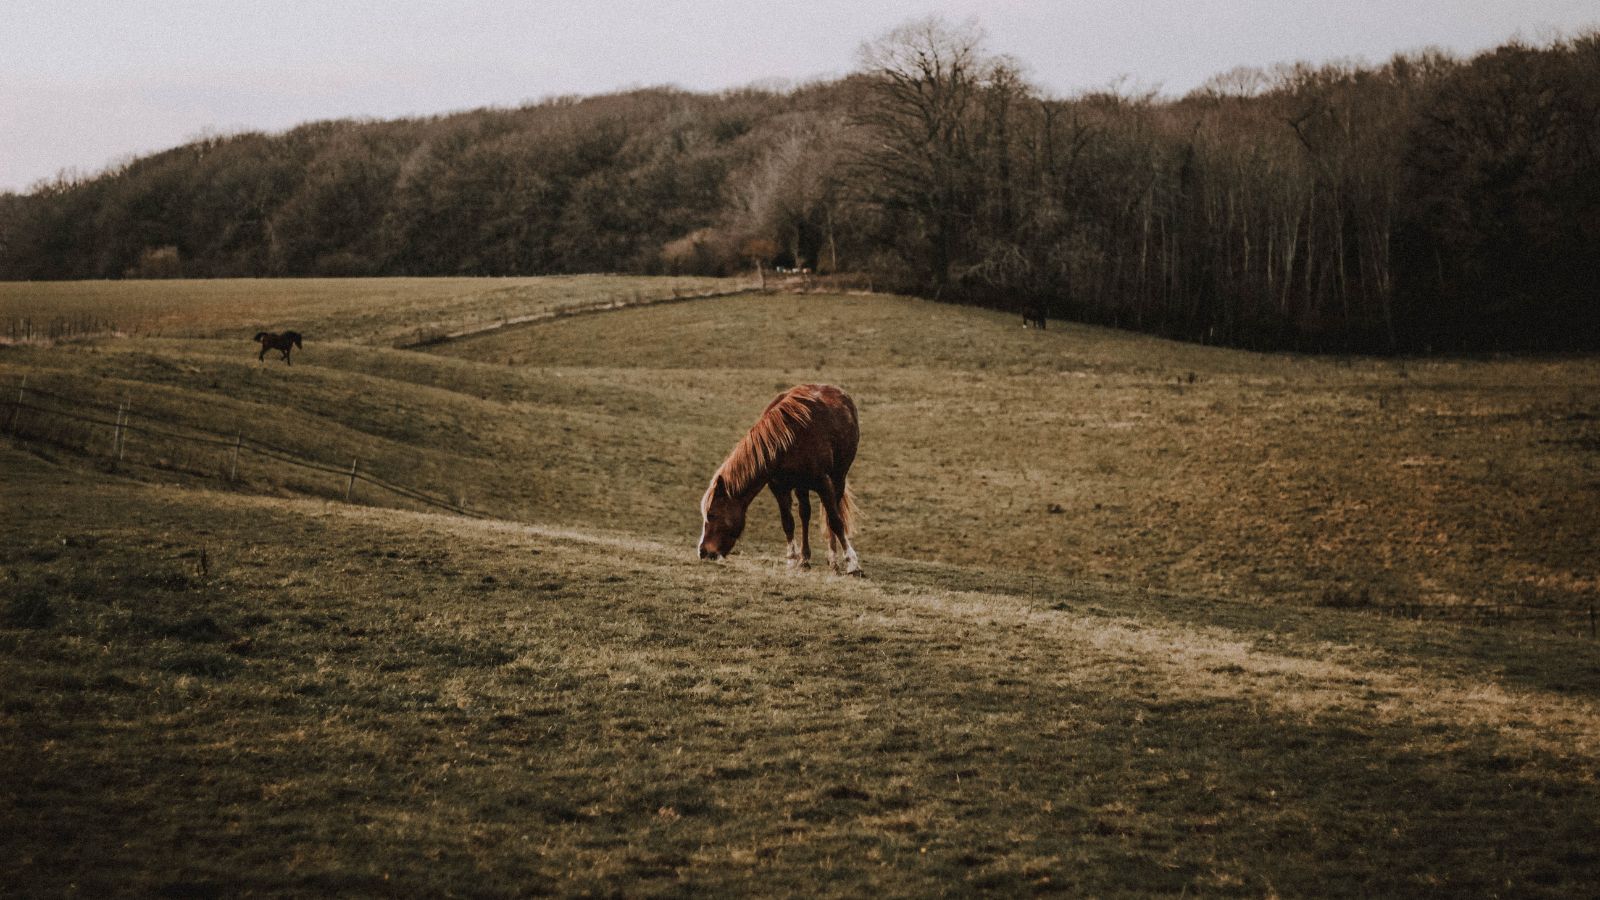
[30, 608]
[200, 663]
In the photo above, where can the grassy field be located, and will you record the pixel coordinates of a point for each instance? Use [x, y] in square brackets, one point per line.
[1456, 486]
[1129, 630]
[1095, 453]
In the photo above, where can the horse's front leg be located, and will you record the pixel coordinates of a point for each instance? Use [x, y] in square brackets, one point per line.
[805, 529]
[785, 498]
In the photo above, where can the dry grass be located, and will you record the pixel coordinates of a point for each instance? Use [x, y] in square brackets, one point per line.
[1106, 699]
[374, 702]
[1403, 485]
[1094, 453]
[1448, 486]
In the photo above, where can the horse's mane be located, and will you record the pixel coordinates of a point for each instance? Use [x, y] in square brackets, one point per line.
[773, 434]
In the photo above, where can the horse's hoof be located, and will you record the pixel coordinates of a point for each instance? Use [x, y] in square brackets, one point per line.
[855, 573]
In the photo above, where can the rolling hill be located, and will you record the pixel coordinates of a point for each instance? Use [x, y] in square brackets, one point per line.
[1143, 617]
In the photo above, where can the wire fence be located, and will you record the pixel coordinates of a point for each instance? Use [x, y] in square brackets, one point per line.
[27, 329]
[97, 428]
[1577, 619]
[428, 338]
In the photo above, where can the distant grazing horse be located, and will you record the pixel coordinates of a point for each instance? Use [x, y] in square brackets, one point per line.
[1034, 316]
[280, 342]
[804, 442]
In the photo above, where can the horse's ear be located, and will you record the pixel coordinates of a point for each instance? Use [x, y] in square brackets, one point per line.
[719, 488]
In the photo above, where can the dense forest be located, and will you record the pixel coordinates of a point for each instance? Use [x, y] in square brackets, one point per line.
[1428, 203]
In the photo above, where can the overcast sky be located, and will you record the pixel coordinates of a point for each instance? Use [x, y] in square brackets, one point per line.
[84, 83]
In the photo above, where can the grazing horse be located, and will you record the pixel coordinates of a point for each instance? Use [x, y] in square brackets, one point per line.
[1034, 316]
[804, 442]
[280, 342]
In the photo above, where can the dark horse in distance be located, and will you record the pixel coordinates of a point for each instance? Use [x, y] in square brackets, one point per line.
[1034, 316]
[280, 342]
[803, 443]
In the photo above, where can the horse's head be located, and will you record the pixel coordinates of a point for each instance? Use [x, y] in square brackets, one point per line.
[722, 518]
[260, 336]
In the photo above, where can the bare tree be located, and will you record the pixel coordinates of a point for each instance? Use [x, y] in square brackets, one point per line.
[925, 79]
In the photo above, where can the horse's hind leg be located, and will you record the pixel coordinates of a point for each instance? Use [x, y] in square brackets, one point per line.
[841, 556]
[785, 499]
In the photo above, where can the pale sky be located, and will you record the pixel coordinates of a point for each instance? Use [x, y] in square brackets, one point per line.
[84, 83]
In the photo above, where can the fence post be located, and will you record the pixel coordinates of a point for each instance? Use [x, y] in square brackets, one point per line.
[233, 471]
[351, 486]
[122, 413]
[17, 410]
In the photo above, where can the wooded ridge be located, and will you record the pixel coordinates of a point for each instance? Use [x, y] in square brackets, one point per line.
[1428, 203]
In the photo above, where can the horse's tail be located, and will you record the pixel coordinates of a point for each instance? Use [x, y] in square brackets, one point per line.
[847, 512]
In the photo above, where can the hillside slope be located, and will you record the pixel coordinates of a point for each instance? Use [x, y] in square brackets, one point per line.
[211, 693]
[1460, 488]
[1454, 483]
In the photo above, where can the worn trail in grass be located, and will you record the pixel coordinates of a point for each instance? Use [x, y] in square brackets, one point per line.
[370, 701]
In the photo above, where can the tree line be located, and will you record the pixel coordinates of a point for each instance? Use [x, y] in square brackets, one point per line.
[1427, 203]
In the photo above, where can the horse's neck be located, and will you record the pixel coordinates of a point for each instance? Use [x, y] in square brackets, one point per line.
[747, 492]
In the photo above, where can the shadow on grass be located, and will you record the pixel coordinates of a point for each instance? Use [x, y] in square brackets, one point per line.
[1517, 657]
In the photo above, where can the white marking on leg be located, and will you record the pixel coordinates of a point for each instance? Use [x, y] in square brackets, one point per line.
[852, 563]
[795, 561]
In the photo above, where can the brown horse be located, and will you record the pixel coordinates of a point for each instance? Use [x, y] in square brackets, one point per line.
[279, 342]
[804, 442]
